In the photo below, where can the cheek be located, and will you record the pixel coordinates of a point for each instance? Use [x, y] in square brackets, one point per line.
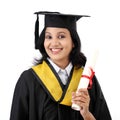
[70, 47]
[69, 44]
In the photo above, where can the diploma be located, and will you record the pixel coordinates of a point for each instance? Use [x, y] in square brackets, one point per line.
[87, 75]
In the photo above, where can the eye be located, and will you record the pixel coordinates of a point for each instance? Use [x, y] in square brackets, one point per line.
[61, 36]
[48, 37]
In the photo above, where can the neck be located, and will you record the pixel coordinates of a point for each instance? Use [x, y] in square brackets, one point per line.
[62, 64]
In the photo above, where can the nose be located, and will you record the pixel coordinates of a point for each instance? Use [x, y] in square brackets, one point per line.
[55, 41]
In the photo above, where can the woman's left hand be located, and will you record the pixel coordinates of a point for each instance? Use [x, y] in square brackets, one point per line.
[82, 99]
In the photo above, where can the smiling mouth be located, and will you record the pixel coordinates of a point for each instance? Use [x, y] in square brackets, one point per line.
[55, 50]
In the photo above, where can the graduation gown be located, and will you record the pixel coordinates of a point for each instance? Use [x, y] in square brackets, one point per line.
[32, 101]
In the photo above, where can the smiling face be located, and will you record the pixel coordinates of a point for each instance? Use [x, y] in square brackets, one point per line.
[58, 45]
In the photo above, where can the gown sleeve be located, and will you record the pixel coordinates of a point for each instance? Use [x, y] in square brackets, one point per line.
[19, 110]
[98, 104]
[28, 98]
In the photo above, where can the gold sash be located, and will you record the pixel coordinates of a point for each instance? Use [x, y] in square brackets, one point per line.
[46, 75]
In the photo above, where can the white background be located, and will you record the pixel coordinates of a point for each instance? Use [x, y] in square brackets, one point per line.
[17, 52]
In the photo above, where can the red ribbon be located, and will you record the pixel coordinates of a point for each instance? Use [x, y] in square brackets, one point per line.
[90, 78]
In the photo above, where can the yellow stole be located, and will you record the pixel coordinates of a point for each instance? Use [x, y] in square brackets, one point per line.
[48, 78]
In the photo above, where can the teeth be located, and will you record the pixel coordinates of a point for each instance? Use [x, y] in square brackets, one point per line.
[55, 50]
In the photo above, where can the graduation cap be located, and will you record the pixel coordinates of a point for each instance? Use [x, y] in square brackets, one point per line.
[56, 19]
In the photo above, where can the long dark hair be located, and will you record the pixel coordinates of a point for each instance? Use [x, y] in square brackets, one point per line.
[76, 56]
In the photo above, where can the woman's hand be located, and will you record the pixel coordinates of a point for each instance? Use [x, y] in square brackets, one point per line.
[82, 98]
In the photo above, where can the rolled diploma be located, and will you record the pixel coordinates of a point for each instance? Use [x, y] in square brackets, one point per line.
[84, 82]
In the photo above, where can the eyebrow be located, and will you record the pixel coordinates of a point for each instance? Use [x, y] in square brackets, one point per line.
[48, 32]
[57, 33]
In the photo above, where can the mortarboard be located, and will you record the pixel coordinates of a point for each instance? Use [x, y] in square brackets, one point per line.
[56, 19]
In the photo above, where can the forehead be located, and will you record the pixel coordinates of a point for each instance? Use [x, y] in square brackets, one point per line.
[56, 29]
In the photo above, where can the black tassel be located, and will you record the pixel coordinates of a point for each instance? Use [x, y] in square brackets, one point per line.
[37, 32]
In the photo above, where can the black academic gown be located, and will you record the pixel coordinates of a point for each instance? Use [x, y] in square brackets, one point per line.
[32, 102]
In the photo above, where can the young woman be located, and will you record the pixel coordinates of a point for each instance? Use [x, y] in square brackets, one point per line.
[47, 90]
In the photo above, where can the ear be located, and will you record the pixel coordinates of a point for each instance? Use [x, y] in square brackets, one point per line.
[73, 45]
